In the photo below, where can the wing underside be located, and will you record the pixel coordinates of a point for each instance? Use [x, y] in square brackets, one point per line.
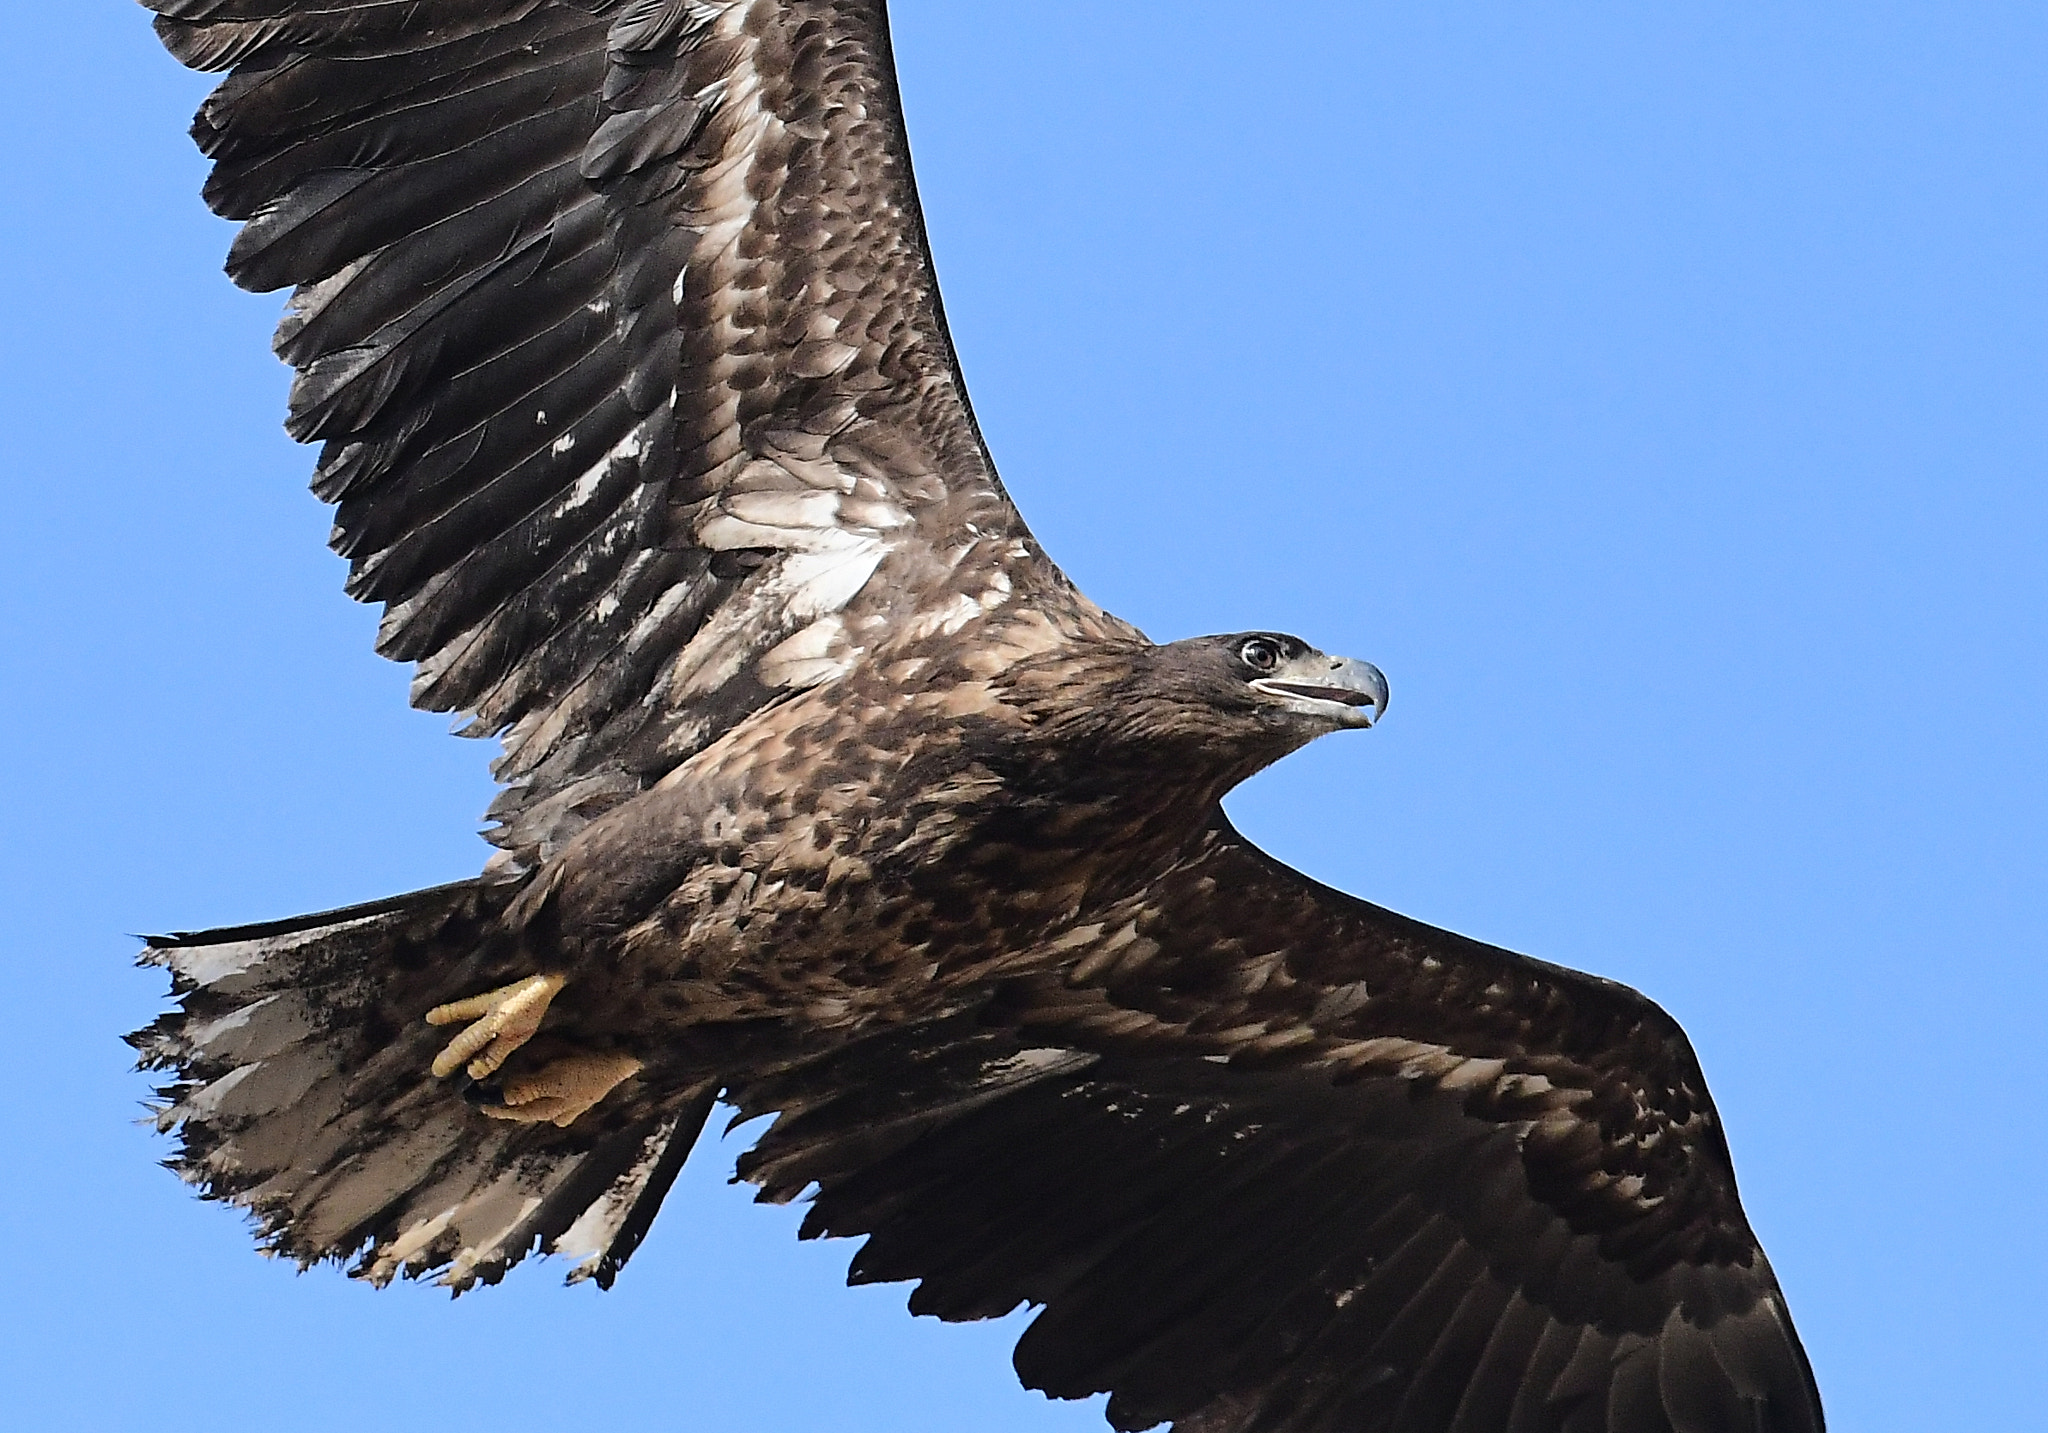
[618, 324]
[1283, 1161]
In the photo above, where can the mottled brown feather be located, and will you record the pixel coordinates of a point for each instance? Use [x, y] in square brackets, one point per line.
[590, 296]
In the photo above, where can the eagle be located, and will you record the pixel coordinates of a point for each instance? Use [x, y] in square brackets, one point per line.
[824, 794]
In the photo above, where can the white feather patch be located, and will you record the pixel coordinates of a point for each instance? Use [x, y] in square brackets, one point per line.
[814, 654]
[945, 620]
[212, 964]
[591, 1236]
[627, 449]
[822, 582]
[804, 508]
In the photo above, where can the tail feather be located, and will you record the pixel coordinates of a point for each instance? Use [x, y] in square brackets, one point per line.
[299, 1091]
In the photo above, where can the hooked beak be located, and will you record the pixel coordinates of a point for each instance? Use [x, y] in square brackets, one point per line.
[1343, 691]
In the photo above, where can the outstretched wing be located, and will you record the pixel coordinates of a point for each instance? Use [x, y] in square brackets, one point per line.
[618, 322]
[1275, 1159]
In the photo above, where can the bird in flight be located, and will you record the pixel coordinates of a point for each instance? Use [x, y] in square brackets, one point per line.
[827, 795]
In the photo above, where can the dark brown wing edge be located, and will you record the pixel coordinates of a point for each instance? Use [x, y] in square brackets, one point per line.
[618, 324]
[1488, 1195]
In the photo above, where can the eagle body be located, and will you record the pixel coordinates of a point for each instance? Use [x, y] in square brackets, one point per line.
[826, 795]
[985, 821]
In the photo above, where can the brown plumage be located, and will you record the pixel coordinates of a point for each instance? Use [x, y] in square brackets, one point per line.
[826, 794]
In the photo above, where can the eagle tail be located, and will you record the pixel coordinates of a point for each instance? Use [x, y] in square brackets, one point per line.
[298, 1090]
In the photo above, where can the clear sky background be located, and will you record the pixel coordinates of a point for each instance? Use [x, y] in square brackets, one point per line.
[1656, 392]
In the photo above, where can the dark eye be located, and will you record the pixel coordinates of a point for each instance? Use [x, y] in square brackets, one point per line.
[1259, 654]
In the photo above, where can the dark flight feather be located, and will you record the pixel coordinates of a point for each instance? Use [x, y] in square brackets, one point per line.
[1363, 1232]
[537, 243]
[827, 794]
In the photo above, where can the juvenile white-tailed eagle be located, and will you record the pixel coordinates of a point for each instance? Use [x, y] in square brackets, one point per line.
[827, 794]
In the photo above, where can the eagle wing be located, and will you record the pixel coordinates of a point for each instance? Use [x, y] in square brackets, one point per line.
[1276, 1159]
[618, 323]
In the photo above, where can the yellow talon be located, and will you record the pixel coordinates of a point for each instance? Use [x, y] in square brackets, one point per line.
[503, 1020]
[561, 1092]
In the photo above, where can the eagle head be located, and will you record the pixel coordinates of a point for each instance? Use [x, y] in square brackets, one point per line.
[1199, 715]
[1277, 682]
[1207, 712]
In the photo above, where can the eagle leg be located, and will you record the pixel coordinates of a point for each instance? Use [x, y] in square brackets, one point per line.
[501, 1021]
[560, 1092]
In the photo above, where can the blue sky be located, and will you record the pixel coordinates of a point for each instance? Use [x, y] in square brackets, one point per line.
[1655, 393]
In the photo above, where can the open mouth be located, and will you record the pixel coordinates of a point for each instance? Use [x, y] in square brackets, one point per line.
[1336, 690]
[1345, 695]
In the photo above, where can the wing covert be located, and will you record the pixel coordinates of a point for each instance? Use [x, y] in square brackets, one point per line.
[618, 324]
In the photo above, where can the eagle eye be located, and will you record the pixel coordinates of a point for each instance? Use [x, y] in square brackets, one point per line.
[1259, 654]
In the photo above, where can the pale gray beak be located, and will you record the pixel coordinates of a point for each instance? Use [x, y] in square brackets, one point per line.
[1339, 689]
